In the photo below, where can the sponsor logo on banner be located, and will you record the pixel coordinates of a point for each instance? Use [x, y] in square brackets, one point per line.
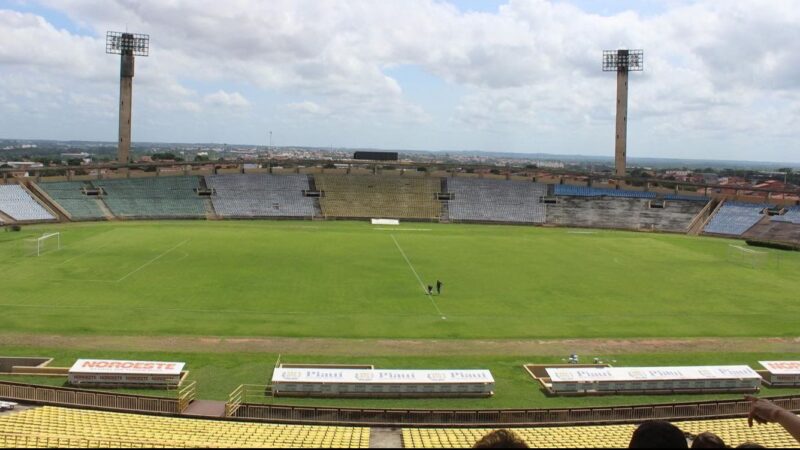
[364, 376]
[436, 376]
[292, 374]
[782, 367]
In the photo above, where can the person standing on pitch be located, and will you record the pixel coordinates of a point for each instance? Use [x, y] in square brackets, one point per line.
[438, 287]
[430, 290]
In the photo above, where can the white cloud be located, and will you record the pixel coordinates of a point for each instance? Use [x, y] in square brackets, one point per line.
[224, 99]
[307, 107]
[724, 70]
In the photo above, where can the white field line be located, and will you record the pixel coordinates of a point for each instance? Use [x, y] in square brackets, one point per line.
[82, 254]
[747, 250]
[151, 262]
[403, 229]
[422, 285]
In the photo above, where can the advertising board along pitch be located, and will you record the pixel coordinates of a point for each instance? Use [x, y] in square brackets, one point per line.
[126, 373]
[610, 380]
[381, 383]
[781, 373]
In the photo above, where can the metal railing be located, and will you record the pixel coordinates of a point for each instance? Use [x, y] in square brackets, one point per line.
[186, 395]
[51, 395]
[246, 394]
[502, 417]
[40, 441]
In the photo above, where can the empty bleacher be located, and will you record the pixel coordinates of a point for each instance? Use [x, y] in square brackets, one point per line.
[732, 431]
[623, 213]
[792, 215]
[69, 195]
[735, 218]
[774, 231]
[687, 198]
[17, 203]
[62, 427]
[583, 191]
[260, 195]
[153, 198]
[487, 200]
[373, 196]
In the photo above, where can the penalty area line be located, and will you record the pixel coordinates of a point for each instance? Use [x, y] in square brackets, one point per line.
[421, 283]
[151, 261]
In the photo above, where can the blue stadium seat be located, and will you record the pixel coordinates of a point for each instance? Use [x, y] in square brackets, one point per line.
[735, 218]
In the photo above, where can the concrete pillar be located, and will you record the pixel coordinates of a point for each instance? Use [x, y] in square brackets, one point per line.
[125, 100]
[620, 148]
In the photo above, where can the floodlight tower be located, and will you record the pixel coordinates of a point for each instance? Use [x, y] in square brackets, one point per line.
[622, 62]
[127, 45]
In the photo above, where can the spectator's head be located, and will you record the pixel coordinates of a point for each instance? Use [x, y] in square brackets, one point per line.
[501, 439]
[707, 440]
[658, 434]
[750, 445]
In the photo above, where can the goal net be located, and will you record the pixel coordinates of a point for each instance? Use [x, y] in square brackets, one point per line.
[45, 244]
[747, 257]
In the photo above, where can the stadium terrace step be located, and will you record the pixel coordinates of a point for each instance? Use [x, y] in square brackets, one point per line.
[70, 196]
[374, 196]
[623, 213]
[157, 197]
[735, 218]
[75, 428]
[485, 200]
[261, 195]
[18, 204]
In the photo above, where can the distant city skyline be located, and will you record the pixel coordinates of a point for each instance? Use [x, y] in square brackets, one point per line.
[721, 79]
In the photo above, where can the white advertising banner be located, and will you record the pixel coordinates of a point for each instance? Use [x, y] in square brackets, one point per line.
[616, 374]
[381, 383]
[105, 372]
[108, 366]
[782, 367]
[358, 376]
[385, 222]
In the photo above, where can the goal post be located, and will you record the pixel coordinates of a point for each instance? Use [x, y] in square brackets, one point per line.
[747, 257]
[49, 242]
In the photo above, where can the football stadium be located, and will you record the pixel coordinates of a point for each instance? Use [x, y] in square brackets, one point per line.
[200, 295]
[282, 294]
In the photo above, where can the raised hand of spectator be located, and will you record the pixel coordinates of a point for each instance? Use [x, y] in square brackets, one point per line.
[764, 411]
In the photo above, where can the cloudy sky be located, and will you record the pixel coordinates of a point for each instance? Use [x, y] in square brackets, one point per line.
[721, 79]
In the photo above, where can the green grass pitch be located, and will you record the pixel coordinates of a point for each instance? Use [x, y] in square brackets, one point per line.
[338, 279]
[354, 280]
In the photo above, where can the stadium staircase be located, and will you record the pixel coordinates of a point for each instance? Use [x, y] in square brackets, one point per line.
[105, 209]
[312, 186]
[211, 214]
[702, 218]
[445, 214]
[5, 219]
[48, 202]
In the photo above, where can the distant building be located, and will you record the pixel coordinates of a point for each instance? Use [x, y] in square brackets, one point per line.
[86, 158]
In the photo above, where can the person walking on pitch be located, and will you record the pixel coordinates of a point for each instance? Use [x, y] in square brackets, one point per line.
[438, 287]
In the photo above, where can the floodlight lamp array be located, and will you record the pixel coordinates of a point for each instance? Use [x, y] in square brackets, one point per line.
[623, 60]
[119, 43]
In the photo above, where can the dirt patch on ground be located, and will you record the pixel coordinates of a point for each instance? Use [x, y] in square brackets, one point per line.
[404, 347]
